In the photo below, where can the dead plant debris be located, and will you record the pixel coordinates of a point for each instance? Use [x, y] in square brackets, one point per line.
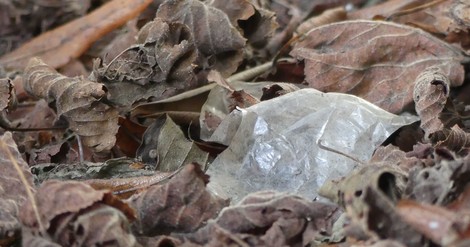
[235, 123]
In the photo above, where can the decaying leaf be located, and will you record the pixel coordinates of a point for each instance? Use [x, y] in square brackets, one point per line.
[268, 218]
[445, 19]
[165, 146]
[454, 139]
[385, 178]
[181, 205]
[375, 60]
[69, 41]
[7, 101]
[260, 27]
[75, 213]
[393, 156]
[236, 98]
[369, 195]
[327, 17]
[442, 226]
[431, 184]
[158, 66]
[7, 94]
[431, 90]
[224, 98]
[78, 100]
[441, 181]
[218, 41]
[13, 190]
[278, 89]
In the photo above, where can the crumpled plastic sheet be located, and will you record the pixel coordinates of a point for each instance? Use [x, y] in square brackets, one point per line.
[273, 145]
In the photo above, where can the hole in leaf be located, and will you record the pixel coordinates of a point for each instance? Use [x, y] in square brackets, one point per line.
[387, 185]
[358, 193]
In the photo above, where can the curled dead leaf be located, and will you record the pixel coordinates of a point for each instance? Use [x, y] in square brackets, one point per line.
[78, 100]
[72, 39]
[431, 90]
[181, 205]
[16, 182]
[375, 60]
[218, 41]
[73, 212]
[268, 218]
[158, 66]
[439, 224]
[454, 139]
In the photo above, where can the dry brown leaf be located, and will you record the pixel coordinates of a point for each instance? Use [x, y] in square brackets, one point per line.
[430, 184]
[277, 89]
[454, 139]
[74, 212]
[7, 94]
[393, 156]
[378, 218]
[218, 41]
[446, 19]
[431, 90]
[385, 9]
[268, 218]
[260, 27]
[78, 100]
[181, 205]
[441, 225]
[165, 146]
[158, 66]
[369, 195]
[327, 17]
[7, 101]
[71, 40]
[236, 98]
[13, 190]
[375, 60]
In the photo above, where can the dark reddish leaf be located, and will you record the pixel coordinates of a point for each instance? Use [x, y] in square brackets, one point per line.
[378, 61]
[181, 205]
[129, 136]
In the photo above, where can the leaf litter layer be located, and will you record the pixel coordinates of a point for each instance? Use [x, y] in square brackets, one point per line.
[234, 123]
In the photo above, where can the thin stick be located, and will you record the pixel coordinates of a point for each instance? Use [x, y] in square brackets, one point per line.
[412, 10]
[338, 152]
[80, 148]
[251, 73]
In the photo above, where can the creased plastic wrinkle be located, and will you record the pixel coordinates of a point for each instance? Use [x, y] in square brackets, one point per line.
[276, 144]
